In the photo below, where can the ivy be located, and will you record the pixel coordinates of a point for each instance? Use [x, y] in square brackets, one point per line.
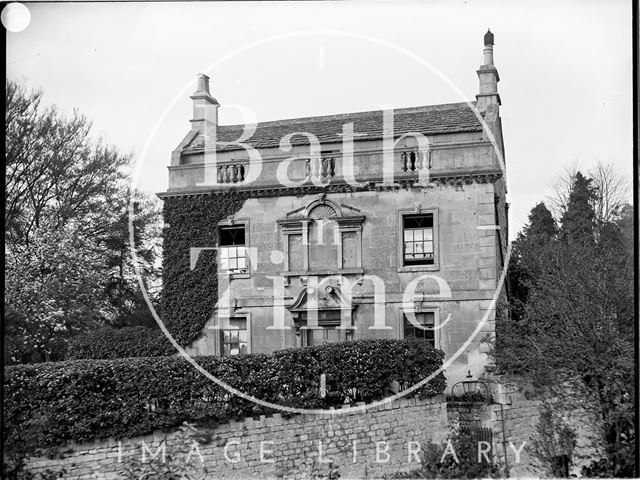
[189, 296]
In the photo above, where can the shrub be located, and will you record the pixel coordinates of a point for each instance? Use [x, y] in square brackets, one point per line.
[52, 403]
[455, 458]
[109, 343]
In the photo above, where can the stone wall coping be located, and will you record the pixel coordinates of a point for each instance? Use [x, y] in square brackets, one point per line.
[265, 420]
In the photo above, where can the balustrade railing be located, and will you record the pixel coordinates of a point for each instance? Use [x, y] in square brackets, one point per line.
[412, 161]
[326, 168]
[230, 173]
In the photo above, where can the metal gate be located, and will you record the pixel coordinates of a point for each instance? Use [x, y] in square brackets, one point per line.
[480, 434]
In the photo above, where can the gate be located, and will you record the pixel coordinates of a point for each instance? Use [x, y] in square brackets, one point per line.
[479, 434]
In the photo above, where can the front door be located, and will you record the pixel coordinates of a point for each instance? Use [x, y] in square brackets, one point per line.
[320, 335]
[325, 331]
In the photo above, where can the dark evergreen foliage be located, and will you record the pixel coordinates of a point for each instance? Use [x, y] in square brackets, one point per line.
[49, 404]
[541, 222]
[439, 461]
[578, 220]
[570, 312]
[109, 343]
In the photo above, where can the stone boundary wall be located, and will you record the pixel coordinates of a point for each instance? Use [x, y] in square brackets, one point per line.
[577, 408]
[521, 410]
[358, 445]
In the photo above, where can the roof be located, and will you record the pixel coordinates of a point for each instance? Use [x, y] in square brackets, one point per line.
[428, 120]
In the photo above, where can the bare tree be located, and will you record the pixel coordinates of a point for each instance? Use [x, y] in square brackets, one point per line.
[612, 191]
[561, 189]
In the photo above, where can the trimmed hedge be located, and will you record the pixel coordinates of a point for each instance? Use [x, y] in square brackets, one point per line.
[110, 343]
[50, 404]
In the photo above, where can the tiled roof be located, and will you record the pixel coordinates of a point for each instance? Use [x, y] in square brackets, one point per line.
[428, 120]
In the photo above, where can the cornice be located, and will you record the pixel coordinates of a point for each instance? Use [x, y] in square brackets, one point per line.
[374, 184]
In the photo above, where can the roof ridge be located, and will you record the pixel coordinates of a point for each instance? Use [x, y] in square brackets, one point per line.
[335, 116]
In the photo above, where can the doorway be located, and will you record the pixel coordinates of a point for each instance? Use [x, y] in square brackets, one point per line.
[327, 330]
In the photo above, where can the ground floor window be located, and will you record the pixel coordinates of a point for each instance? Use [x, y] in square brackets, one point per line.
[234, 337]
[425, 329]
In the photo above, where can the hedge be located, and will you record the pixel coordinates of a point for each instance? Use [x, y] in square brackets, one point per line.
[109, 343]
[50, 404]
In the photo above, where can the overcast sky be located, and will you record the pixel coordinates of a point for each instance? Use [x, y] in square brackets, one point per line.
[565, 70]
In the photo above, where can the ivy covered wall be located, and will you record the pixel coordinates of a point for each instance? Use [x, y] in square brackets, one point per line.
[189, 296]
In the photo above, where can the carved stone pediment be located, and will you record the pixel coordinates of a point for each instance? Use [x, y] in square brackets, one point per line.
[327, 302]
[328, 297]
[323, 208]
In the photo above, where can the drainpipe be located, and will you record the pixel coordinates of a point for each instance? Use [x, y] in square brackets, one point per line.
[504, 440]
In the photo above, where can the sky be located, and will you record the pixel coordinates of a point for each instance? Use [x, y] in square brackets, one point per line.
[565, 71]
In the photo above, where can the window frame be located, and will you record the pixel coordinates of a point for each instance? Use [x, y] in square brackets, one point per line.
[301, 225]
[436, 323]
[435, 266]
[244, 223]
[223, 322]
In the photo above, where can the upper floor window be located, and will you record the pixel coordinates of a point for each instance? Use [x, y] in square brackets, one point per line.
[418, 238]
[232, 248]
[323, 237]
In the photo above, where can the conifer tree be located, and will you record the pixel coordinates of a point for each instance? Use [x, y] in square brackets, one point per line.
[571, 306]
[526, 254]
[541, 222]
[578, 220]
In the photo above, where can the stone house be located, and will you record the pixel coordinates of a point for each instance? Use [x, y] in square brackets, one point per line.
[358, 225]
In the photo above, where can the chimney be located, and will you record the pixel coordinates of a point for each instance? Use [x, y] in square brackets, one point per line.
[488, 76]
[205, 108]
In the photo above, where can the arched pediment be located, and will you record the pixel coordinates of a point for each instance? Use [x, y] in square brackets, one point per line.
[322, 211]
[323, 208]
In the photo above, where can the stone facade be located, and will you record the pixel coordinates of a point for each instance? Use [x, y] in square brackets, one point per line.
[328, 224]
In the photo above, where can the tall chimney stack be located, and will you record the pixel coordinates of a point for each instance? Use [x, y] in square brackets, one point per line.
[205, 108]
[488, 76]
